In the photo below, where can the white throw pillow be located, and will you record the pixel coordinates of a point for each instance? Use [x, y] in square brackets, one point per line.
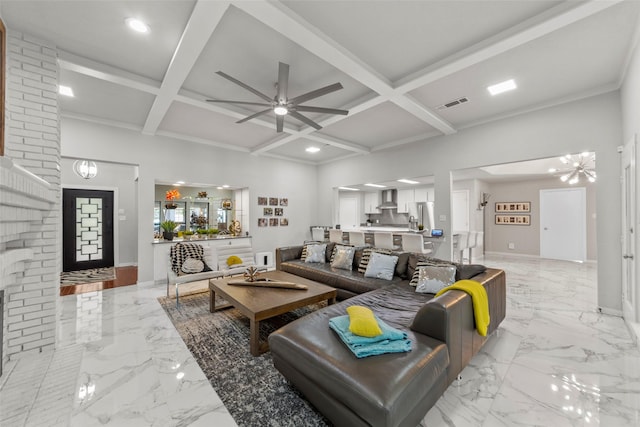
[432, 279]
[192, 265]
[381, 266]
[316, 253]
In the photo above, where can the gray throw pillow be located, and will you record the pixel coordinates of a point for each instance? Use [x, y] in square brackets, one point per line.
[431, 279]
[381, 266]
[343, 257]
[316, 253]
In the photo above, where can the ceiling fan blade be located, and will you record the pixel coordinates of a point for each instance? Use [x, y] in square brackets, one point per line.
[315, 93]
[305, 120]
[239, 102]
[283, 81]
[321, 110]
[253, 116]
[247, 87]
[279, 123]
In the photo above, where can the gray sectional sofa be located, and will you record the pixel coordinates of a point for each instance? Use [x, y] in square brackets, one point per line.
[391, 389]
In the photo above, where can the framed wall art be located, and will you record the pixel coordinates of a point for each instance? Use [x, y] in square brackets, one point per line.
[513, 219]
[513, 206]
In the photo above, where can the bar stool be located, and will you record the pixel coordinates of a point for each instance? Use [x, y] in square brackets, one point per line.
[414, 243]
[335, 236]
[462, 244]
[478, 242]
[471, 243]
[317, 234]
[356, 238]
[384, 240]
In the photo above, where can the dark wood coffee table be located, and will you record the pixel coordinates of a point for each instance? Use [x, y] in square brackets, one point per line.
[260, 303]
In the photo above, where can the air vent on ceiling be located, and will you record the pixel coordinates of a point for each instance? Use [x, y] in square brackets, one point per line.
[453, 103]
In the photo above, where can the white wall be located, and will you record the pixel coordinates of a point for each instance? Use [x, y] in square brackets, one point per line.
[119, 178]
[591, 124]
[158, 160]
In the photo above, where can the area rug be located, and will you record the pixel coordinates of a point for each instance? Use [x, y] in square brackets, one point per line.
[87, 276]
[252, 390]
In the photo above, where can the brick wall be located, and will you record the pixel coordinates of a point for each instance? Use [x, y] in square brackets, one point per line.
[30, 236]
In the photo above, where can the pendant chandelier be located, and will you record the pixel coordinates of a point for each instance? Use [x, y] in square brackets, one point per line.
[86, 169]
[577, 167]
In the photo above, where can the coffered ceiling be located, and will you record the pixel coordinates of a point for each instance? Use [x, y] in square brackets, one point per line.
[398, 61]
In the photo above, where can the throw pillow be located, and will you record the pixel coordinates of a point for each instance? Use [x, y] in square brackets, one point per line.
[233, 260]
[343, 257]
[426, 262]
[467, 271]
[192, 265]
[316, 253]
[181, 251]
[366, 256]
[432, 279]
[362, 322]
[381, 266]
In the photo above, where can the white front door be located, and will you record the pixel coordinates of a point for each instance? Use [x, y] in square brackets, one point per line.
[563, 224]
[630, 304]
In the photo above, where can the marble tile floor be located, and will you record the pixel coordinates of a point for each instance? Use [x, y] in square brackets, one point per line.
[555, 361]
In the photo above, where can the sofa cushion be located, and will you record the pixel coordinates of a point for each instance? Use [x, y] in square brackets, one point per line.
[463, 271]
[431, 279]
[342, 257]
[316, 253]
[181, 251]
[401, 265]
[381, 266]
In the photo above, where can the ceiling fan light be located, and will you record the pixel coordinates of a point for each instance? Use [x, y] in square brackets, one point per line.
[280, 110]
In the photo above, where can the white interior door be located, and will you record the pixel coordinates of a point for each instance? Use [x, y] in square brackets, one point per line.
[563, 224]
[460, 210]
[349, 213]
[630, 303]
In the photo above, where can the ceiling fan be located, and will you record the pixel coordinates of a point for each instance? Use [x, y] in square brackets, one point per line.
[280, 104]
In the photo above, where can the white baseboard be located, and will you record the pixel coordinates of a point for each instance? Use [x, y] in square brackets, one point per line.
[516, 255]
[127, 264]
[610, 311]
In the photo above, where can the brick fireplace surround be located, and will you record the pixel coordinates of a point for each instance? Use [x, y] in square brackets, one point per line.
[30, 216]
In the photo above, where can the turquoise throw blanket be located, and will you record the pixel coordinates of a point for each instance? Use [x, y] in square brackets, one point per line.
[391, 341]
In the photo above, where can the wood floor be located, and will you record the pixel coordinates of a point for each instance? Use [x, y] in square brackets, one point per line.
[125, 276]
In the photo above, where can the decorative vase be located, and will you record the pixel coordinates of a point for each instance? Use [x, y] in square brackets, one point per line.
[170, 205]
[168, 235]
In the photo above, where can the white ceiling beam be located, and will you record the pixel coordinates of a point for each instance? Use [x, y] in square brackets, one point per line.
[525, 32]
[204, 19]
[98, 70]
[197, 140]
[335, 142]
[297, 29]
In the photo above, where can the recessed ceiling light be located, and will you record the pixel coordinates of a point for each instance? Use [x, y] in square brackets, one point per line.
[65, 90]
[408, 181]
[348, 189]
[312, 149]
[137, 25]
[219, 188]
[502, 87]
[225, 186]
[179, 182]
[376, 185]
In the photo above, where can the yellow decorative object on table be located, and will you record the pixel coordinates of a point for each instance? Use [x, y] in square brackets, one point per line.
[233, 260]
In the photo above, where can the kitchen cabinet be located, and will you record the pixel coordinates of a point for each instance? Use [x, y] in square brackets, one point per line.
[405, 197]
[371, 202]
[421, 194]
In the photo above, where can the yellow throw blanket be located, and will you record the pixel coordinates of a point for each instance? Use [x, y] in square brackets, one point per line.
[479, 299]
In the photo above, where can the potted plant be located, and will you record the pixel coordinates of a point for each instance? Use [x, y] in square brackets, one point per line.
[202, 232]
[212, 232]
[188, 234]
[172, 195]
[167, 229]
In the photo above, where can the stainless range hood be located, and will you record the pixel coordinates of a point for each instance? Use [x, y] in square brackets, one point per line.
[389, 199]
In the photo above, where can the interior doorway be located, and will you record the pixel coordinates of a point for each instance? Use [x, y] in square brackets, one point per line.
[630, 304]
[348, 212]
[563, 230]
[87, 229]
